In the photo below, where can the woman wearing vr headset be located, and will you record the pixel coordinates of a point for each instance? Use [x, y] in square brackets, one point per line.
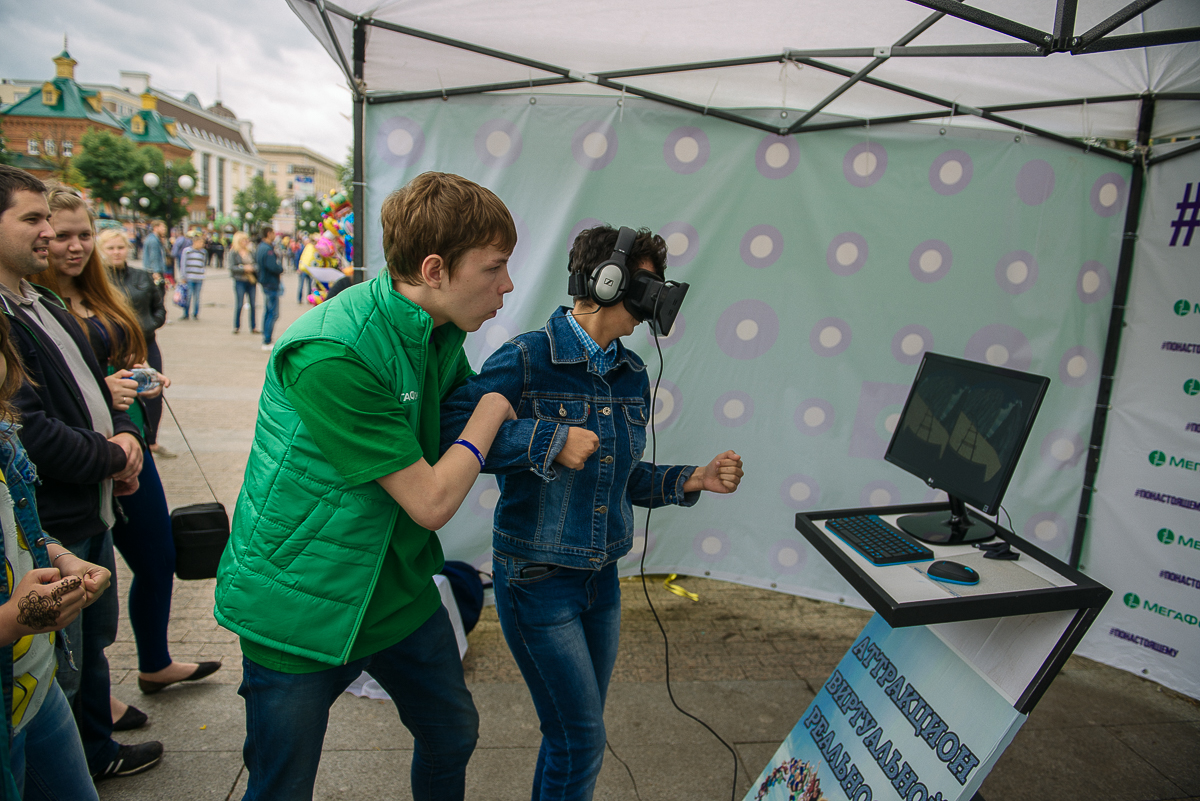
[570, 470]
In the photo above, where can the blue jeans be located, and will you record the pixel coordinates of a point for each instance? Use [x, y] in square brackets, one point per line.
[287, 713]
[562, 628]
[242, 291]
[270, 311]
[144, 539]
[47, 757]
[195, 287]
[89, 634]
[304, 280]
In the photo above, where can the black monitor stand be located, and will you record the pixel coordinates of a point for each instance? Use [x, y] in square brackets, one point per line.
[946, 528]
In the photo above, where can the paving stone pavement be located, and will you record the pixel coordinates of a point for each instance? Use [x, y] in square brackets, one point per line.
[746, 661]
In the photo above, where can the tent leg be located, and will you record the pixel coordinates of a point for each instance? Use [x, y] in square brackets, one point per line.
[1116, 322]
[360, 187]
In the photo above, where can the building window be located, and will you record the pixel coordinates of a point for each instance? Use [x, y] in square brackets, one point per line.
[274, 169]
[205, 171]
[221, 185]
[68, 148]
[51, 149]
[33, 148]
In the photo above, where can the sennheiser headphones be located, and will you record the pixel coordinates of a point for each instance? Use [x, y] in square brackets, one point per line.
[607, 283]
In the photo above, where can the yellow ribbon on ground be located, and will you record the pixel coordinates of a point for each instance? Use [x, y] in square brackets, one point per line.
[670, 586]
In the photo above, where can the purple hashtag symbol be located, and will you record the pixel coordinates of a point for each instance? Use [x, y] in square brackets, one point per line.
[1182, 221]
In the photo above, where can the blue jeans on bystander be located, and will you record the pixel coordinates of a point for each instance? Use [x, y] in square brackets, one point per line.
[287, 714]
[47, 757]
[195, 287]
[562, 625]
[243, 292]
[270, 311]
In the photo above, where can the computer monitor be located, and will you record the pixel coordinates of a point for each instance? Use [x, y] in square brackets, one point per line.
[962, 430]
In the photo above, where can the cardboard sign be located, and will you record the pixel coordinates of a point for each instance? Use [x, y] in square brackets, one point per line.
[902, 717]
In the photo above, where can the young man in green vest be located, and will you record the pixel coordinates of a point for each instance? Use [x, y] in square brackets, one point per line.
[330, 563]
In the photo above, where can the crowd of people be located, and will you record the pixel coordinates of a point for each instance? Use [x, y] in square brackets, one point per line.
[372, 428]
[77, 439]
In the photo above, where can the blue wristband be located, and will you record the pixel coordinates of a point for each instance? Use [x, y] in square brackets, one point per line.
[472, 449]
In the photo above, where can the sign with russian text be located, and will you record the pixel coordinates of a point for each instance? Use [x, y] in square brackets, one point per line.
[1142, 537]
[902, 717]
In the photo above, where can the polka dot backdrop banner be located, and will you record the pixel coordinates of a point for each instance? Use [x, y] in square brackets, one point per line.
[822, 268]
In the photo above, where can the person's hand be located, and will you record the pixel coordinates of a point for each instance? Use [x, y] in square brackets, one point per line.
[126, 487]
[133, 456]
[499, 405]
[43, 601]
[581, 444]
[723, 475]
[94, 577]
[163, 383]
[123, 389]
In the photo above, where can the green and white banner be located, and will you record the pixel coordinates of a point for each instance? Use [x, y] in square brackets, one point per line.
[821, 267]
[1144, 533]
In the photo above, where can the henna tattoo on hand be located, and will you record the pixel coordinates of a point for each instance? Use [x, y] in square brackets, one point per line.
[38, 611]
[69, 584]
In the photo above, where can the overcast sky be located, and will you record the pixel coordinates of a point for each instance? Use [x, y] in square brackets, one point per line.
[273, 72]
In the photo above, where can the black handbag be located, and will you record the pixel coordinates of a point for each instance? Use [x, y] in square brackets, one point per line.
[200, 530]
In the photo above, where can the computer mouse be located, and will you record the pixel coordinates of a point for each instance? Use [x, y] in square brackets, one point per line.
[952, 572]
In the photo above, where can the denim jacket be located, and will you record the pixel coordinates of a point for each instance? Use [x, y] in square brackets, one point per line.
[549, 513]
[21, 478]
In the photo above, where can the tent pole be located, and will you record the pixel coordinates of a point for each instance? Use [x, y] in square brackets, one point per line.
[1064, 24]
[1132, 40]
[984, 19]
[1115, 21]
[1116, 322]
[360, 186]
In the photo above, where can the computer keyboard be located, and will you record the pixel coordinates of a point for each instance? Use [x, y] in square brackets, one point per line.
[879, 542]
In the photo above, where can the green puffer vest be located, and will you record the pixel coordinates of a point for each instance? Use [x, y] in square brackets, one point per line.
[305, 549]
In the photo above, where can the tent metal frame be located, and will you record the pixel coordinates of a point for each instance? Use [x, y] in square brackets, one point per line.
[1033, 43]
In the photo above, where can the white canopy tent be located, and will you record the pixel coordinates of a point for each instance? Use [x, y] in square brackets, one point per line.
[1118, 80]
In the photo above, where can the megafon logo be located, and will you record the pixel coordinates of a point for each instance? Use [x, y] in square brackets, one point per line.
[1132, 600]
[1183, 308]
[1191, 387]
[1166, 536]
[1158, 458]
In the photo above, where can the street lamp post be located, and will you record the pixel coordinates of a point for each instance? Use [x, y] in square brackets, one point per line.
[167, 193]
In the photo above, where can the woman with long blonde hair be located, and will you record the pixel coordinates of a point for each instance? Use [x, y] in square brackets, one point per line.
[77, 274]
[244, 273]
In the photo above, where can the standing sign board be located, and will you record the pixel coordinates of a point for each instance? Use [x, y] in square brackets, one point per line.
[902, 717]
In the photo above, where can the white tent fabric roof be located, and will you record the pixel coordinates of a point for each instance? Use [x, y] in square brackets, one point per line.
[590, 37]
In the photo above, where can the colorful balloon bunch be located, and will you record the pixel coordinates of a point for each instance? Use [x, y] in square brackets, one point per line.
[334, 249]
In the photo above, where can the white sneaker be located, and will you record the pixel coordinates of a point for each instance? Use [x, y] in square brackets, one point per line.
[268, 348]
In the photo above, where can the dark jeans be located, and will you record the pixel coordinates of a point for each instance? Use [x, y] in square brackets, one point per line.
[270, 311]
[562, 627]
[243, 291]
[146, 543]
[153, 406]
[90, 633]
[303, 280]
[287, 714]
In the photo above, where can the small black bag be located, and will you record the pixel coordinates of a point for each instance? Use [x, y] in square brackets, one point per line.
[200, 532]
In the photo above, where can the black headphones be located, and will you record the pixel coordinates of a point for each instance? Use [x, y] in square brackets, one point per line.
[608, 282]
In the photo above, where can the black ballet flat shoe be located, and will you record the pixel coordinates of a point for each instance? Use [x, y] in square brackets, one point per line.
[202, 670]
[133, 718]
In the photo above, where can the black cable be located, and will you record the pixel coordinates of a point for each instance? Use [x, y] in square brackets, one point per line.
[646, 547]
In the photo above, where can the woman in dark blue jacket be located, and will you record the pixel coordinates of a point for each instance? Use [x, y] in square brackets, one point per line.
[570, 469]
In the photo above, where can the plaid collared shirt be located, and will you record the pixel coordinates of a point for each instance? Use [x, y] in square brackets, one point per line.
[601, 361]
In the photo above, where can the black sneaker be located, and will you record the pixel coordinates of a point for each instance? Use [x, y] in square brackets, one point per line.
[132, 759]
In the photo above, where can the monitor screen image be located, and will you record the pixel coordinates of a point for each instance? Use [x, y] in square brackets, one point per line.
[962, 430]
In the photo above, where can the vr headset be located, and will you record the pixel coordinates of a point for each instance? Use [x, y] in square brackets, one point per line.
[646, 295]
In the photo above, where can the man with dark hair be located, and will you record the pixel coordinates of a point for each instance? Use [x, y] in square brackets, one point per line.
[83, 448]
[269, 278]
[330, 563]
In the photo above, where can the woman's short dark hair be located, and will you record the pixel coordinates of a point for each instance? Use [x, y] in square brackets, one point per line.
[595, 245]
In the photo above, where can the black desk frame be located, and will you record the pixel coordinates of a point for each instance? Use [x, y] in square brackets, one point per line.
[1084, 596]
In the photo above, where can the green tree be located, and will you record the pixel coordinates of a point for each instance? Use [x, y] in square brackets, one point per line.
[259, 200]
[6, 155]
[168, 200]
[308, 220]
[109, 164]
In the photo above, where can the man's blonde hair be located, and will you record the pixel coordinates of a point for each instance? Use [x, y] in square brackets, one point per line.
[445, 215]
